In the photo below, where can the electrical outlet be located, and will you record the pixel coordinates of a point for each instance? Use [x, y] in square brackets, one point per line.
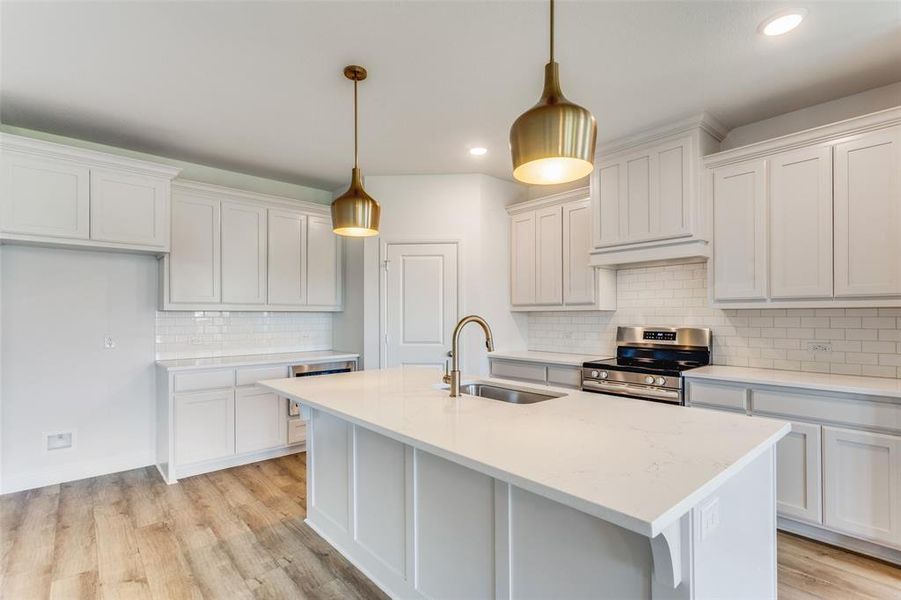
[710, 517]
[109, 343]
[819, 346]
[61, 440]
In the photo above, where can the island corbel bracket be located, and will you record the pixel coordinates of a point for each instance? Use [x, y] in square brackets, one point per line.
[666, 550]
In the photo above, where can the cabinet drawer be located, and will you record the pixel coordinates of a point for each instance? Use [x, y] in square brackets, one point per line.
[714, 394]
[518, 370]
[204, 380]
[250, 375]
[824, 407]
[566, 376]
[297, 431]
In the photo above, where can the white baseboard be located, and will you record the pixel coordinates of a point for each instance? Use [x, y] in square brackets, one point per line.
[231, 461]
[838, 539]
[73, 472]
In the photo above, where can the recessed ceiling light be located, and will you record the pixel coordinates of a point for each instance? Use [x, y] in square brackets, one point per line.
[782, 22]
[478, 151]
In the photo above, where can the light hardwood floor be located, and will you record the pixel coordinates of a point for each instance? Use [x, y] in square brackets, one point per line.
[239, 533]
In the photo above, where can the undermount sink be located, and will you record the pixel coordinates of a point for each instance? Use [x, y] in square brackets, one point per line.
[505, 394]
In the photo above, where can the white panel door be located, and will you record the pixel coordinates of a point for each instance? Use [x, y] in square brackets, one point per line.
[194, 260]
[739, 231]
[129, 209]
[260, 420]
[800, 209]
[44, 197]
[522, 259]
[862, 487]
[549, 255]
[420, 303]
[287, 258]
[243, 253]
[578, 276]
[868, 215]
[799, 489]
[204, 426]
[608, 193]
[323, 263]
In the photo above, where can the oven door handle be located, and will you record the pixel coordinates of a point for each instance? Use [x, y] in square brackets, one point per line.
[623, 389]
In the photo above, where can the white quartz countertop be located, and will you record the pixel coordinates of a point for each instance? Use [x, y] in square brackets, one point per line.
[551, 358]
[638, 464]
[827, 382]
[285, 358]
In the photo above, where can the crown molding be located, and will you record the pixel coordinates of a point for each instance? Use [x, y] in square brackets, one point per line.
[90, 158]
[219, 192]
[579, 193]
[704, 122]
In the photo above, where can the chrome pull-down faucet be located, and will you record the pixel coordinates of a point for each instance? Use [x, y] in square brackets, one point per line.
[453, 378]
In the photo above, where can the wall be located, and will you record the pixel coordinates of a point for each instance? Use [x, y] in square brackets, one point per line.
[468, 208]
[865, 341]
[57, 307]
[214, 333]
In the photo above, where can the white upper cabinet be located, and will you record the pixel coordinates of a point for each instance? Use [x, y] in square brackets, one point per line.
[45, 197]
[287, 258]
[868, 215]
[550, 245]
[830, 199]
[260, 253]
[130, 209]
[323, 266]
[739, 223]
[646, 203]
[800, 203]
[59, 195]
[243, 238]
[194, 262]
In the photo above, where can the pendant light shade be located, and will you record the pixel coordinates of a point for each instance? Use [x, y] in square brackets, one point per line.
[355, 213]
[554, 141]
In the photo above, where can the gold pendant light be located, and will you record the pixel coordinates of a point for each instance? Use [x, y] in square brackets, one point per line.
[553, 142]
[355, 213]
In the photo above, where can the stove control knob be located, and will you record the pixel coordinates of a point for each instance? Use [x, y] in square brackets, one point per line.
[660, 381]
[649, 379]
[595, 374]
[603, 375]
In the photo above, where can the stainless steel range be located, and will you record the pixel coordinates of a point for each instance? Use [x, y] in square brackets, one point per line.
[649, 363]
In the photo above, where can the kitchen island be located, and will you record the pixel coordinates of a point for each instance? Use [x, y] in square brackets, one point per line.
[585, 495]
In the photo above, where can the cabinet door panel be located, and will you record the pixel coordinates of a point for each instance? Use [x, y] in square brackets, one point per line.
[260, 420]
[578, 276]
[204, 426]
[194, 261]
[739, 230]
[243, 254]
[522, 259]
[868, 215]
[44, 197]
[608, 194]
[799, 492]
[549, 256]
[800, 204]
[323, 263]
[287, 258]
[670, 189]
[638, 197]
[862, 492]
[129, 209]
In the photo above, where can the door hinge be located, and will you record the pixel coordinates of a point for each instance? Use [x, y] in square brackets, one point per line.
[385, 264]
[386, 339]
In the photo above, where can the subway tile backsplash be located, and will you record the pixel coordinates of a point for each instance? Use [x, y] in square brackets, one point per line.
[227, 333]
[852, 341]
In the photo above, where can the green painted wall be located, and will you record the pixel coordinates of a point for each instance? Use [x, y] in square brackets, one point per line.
[192, 171]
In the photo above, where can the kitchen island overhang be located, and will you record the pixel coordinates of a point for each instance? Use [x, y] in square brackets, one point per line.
[655, 476]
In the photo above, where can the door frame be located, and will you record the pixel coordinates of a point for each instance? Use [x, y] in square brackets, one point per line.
[411, 240]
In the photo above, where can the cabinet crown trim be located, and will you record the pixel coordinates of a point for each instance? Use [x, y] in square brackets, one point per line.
[580, 193]
[807, 137]
[703, 121]
[219, 192]
[90, 158]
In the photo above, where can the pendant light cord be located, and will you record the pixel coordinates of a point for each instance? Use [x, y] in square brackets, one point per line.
[356, 129]
[552, 31]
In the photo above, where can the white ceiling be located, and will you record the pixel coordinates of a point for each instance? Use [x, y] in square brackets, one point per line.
[257, 87]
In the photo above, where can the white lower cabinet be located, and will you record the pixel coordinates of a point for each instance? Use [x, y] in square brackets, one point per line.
[204, 426]
[799, 464]
[260, 420]
[862, 476]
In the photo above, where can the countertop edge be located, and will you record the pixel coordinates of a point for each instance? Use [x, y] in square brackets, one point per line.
[858, 388]
[259, 359]
[551, 358]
